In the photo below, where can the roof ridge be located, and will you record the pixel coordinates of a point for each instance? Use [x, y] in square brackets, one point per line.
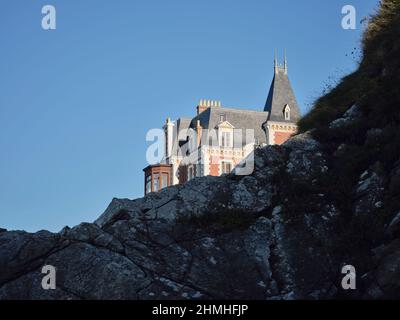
[236, 109]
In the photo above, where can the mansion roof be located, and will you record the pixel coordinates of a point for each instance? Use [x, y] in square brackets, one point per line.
[238, 118]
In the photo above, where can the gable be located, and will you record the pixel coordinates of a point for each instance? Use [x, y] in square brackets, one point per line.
[225, 125]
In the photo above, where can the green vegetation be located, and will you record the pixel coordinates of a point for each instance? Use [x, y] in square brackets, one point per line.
[374, 88]
[372, 141]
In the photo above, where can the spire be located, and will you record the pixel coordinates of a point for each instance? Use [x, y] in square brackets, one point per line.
[279, 67]
[285, 63]
[281, 95]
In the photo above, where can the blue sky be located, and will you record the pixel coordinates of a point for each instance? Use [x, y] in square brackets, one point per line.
[76, 102]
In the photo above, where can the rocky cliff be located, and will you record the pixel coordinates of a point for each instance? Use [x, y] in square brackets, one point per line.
[329, 197]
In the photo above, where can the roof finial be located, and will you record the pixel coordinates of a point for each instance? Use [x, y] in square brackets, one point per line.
[285, 67]
[275, 63]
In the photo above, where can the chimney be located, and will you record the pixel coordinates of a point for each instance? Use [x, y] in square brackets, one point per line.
[199, 130]
[205, 104]
[169, 131]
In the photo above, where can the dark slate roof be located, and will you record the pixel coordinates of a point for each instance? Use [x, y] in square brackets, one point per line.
[182, 124]
[281, 94]
[238, 118]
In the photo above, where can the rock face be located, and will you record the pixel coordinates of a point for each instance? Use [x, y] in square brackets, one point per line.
[328, 198]
[230, 237]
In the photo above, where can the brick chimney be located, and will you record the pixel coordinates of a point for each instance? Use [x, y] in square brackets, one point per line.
[205, 104]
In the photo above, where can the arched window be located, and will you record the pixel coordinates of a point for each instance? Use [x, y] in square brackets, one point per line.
[286, 112]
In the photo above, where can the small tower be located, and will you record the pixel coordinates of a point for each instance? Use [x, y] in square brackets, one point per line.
[281, 105]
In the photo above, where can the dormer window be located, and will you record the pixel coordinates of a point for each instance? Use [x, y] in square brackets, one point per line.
[222, 118]
[286, 112]
[226, 140]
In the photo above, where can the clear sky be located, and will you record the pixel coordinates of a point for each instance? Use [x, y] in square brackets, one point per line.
[76, 102]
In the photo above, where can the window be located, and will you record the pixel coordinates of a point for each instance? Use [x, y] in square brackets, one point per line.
[148, 184]
[286, 112]
[190, 173]
[164, 180]
[213, 138]
[156, 186]
[226, 139]
[226, 167]
[222, 118]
